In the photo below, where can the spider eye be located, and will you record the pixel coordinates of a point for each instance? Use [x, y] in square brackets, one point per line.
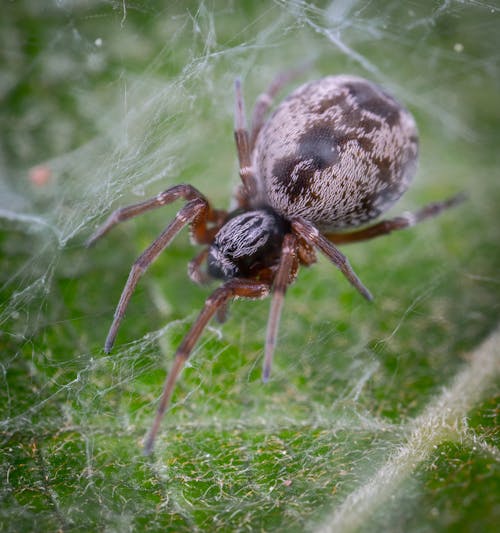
[220, 266]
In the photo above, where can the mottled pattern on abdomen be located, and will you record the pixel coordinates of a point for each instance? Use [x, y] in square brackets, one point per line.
[338, 151]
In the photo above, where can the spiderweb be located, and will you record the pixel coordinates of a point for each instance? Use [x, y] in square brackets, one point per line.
[377, 416]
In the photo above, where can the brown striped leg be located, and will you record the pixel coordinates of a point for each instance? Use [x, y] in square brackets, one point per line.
[305, 229]
[236, 287]
[194, 268]
[186, 192]
[243, 149]
[265, 100]
[185, 216]
[286, 270]
[222, 312]
[403, 221]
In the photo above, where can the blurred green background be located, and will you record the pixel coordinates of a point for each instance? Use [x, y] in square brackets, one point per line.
[105, 103]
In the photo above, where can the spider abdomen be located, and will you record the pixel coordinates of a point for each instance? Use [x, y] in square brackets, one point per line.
[338, 151]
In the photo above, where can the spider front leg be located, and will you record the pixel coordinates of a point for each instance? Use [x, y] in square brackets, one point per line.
[406, 220]
[192, 213]
[305, 229]
[287, 270]
[244, 288]
[187, 192]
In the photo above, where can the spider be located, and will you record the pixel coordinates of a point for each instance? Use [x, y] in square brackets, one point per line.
[335, 154]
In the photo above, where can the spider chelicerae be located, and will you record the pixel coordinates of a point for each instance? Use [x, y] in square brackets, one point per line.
[334, 155]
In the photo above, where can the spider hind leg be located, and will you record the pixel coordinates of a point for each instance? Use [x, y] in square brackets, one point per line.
[406, 220]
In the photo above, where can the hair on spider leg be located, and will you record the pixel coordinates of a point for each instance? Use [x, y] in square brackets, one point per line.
[333, 156]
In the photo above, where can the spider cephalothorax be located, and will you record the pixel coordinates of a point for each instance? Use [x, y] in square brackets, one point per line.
[246, 244]
[334, 155]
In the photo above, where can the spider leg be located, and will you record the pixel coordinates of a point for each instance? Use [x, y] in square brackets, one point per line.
[194, 268]
[222, 312]
[244, 288]
[265, 100]
[187, 215]
[311, 234]
[243, 148]
[187, 192]
[287, 270]
[403, 221]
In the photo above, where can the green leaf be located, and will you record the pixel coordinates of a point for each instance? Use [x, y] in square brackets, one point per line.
[379, 416]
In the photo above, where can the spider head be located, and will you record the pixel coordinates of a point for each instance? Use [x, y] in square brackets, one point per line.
[246, 243]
